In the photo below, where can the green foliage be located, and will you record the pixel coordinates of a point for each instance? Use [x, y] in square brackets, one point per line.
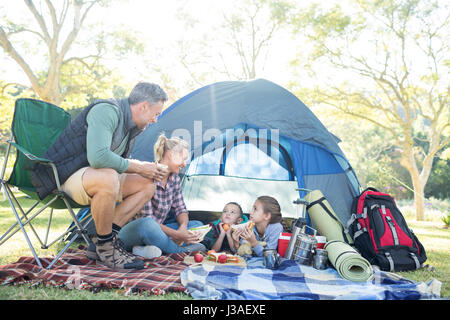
[438, 185]
[82, 83]
[126, 42]
[446, 220]
[8, 95]
[369, 150]
[325, 23]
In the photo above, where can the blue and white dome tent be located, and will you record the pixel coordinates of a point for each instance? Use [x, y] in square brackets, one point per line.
[249, 139]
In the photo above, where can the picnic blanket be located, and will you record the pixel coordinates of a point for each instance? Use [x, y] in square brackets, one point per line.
[292, 281]
[74, 271]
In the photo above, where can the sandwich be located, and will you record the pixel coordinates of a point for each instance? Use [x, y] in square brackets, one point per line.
[249, 224]
[222, 257]
[202, 229]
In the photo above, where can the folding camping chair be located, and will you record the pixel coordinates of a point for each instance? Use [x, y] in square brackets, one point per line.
[36, 125]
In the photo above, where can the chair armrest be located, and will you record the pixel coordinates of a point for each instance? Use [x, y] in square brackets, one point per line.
[40, 160]
[29, 155]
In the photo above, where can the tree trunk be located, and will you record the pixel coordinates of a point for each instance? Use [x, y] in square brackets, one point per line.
[419, 196]
[409, 163]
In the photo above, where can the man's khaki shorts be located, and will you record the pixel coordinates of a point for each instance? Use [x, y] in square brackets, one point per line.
[74, 187]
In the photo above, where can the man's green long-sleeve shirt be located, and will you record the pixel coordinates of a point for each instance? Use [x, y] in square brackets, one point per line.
[102, 121]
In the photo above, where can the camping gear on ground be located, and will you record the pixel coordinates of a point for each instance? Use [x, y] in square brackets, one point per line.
[271, 258]
[321, 241]
[293, 281]
[36, 125]
[381, 233]
[348, 262]
[301, 204]
[298, 228]
[325, 219]
[320, 260]
[254, 136]
[298, 225]
[283, 242]
[304, 247]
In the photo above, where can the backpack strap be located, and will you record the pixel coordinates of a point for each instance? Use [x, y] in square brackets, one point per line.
[414, 257]
[354, 217]
[392, 228]
[391, 261]
[359, 232]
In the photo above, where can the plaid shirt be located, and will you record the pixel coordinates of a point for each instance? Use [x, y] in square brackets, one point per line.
[164, 199]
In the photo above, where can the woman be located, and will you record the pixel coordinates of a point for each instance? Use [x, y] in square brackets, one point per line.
[148, 230]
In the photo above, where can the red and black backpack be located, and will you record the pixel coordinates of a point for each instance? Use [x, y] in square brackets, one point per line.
[381, 235]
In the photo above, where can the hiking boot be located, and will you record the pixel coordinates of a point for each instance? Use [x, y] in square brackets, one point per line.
[113, 254]
[91, 252]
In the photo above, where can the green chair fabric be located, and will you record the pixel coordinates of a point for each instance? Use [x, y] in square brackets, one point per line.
[36, 125]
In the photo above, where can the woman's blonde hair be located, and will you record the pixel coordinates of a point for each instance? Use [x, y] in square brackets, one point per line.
[163, 144]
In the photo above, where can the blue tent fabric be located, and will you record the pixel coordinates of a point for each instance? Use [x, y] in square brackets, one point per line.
[224, 104]
[220, 117]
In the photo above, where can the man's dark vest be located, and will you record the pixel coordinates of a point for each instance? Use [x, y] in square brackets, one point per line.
[69, 154]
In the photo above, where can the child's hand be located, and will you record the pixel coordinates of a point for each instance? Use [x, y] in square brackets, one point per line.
[236, 234]
[249, 235]
[221, 229]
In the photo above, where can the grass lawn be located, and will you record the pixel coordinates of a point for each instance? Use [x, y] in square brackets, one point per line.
[432, 234]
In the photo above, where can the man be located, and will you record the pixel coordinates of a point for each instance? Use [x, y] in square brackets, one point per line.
[91, 158]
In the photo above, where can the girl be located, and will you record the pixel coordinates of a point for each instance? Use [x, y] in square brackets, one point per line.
[266, 214]
[215, 239]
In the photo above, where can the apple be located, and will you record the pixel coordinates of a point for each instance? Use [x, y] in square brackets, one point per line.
[198, 257]
[225, 226]
[222, 258]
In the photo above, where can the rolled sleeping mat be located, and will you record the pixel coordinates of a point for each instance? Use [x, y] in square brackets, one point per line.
[325, 219]
[348, 262]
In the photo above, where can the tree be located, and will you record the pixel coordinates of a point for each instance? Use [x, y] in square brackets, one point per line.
[48, 87]
[237, 46]
[388, 64]
[9, 92]
[72, 66]
[376, 160]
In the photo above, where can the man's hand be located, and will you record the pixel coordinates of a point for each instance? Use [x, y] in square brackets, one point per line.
[152, 171]
[147, 169]
[185, 236]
